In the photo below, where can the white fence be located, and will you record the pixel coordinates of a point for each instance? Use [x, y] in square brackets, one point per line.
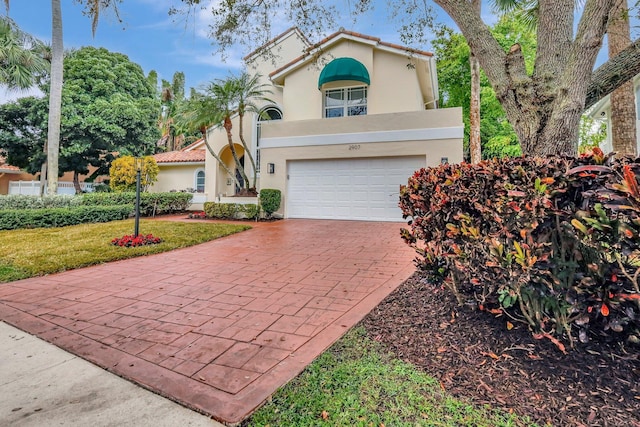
[33, 187]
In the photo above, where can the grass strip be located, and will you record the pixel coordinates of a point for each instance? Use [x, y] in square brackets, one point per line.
[356, 383]
[34, 252]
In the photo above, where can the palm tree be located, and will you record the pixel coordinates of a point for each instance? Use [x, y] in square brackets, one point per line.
[220, 102]
[21, 59]
[200, 113]
[225, 94]
[172, 98]
[250, 90]
[55, 97]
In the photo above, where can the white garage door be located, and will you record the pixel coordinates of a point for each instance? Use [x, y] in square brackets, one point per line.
[361, 189]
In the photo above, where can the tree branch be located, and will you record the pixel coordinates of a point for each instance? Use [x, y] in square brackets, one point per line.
[613, 74]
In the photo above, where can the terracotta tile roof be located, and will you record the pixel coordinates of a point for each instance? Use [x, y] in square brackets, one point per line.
[275, 39]
[193, 156]
[7, 168]
[352, 34]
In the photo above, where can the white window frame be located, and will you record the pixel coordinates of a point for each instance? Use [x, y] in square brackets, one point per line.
[195, 180]
[345, 101]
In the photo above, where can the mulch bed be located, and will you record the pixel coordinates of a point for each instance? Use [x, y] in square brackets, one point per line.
[475, 357]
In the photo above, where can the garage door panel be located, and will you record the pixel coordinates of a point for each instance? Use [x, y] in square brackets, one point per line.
[363, 189]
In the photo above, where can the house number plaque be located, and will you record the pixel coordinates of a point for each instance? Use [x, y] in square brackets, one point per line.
[354, 147]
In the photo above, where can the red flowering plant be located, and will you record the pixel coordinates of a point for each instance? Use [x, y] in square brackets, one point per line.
[198, 215]
[130, 240]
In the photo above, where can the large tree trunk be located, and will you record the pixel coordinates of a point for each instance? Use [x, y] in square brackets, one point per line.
[76, 182]
[623, 108]
[474, 107]
[55, 98]
[545, 108]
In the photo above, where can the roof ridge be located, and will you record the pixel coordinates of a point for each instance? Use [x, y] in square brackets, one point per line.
[332, 36]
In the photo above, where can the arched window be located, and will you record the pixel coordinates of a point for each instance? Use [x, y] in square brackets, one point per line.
[267, 114]
[199, 181]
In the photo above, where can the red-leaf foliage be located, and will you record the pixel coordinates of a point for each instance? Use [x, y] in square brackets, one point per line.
[543, 239]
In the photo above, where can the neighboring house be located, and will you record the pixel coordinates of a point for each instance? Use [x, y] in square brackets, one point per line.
[601, 112]
[183, 170]
[10, 174]
[352, 118]
[13, 180]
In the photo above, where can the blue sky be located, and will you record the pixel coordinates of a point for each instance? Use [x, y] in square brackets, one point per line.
[154, 40]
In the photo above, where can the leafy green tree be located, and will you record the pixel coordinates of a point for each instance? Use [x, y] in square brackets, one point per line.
[592, 134]
[123, 173]
[23, 125]
[498, 138]
[108, 106]
[623, 106]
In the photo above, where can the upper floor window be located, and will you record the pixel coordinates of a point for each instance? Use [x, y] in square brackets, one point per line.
[343, 102]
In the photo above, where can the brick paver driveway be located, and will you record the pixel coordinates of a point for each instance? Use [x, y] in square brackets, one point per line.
[218, 326]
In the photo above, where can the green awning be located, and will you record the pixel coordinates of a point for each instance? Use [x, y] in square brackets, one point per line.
[344, 69]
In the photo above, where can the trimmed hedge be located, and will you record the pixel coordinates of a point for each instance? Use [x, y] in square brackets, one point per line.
[549, 242]
[150, 203]
[270, 199]
[231, 210]
[11, 219]
[21, 201]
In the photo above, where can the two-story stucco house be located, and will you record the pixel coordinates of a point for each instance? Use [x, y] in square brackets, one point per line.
[352, 118]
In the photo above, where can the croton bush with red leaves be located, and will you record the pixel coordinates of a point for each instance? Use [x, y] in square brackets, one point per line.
[130, 240]
[550, 242]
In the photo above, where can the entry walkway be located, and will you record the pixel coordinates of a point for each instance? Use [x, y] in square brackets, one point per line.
[219, 326]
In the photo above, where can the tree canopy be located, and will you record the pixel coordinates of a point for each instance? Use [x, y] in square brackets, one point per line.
[107, 106]
[23, 125]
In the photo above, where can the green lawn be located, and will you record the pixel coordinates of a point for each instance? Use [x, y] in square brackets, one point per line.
[35, 252]
[356, 383]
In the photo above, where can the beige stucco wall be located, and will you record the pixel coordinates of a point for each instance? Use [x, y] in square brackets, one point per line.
[180, 177]
[176, 177]
[284, 51]
[394, 82]
[394, 85]
[433, 150]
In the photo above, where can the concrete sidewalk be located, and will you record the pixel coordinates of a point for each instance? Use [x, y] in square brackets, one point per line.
[42, 385]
